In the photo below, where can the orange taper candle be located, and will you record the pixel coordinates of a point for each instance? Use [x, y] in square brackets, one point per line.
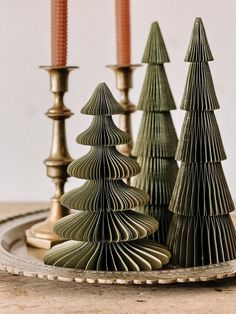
[123, 31]
[59, 32]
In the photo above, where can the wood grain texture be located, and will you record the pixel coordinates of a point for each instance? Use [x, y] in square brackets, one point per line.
[31, 295]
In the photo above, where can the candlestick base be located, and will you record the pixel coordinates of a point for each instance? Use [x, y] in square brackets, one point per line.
[124, 83]
[37, 239]
[41, 235]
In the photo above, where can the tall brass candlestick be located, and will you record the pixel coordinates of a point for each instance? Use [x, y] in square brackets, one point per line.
[123, 84]
[41, 235]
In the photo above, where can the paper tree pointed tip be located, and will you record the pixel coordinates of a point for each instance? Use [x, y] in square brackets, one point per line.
[198, 20]
[155, 25]
[198, 49]
[155, 51]
[102, 102]
[102, 88]
[102, 85]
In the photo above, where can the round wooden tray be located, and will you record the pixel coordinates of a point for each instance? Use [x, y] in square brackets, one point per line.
[17, 258]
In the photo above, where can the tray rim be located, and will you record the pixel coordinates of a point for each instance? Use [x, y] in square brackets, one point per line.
[21, 266]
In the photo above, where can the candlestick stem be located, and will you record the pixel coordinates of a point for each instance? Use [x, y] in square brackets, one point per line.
[124, 84]
[42, 234]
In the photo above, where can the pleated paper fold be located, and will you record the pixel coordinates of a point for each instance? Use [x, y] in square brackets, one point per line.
[122, 256]
[103, 162]
[118, 226]
[200, 139]
[198, 49]
[103, 132]
[97, 195]
[155, 51]
[157, 141]
[199, 93]
[157, 178]
[102, 103]
[156, 94]
[105, 234]
[197, 240]
[201, 189]
[157, 136]
[201, 230]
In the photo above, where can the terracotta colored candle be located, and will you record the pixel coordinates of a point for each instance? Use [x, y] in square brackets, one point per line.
[59, 32]
[123, 31]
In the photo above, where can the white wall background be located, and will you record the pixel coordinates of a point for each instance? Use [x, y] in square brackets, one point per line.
[25, 133]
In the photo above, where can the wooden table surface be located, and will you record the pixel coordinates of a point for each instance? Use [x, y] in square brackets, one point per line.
[31, 295]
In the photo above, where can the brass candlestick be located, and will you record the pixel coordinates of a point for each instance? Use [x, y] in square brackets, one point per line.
[123, 84]
[41, 235]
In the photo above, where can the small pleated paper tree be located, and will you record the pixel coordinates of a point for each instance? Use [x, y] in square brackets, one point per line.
[106, 234]
[157, 141]
[201, 231]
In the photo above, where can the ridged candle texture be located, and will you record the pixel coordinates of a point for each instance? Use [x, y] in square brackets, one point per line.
[123, 31]
[58, 32]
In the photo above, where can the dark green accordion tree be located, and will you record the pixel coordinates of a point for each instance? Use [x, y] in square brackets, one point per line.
[105, 234]
[157, 141]
[201, 231]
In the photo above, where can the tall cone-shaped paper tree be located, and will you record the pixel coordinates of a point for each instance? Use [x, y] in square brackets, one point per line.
[157, 140]
[201, 231]
[106, 234]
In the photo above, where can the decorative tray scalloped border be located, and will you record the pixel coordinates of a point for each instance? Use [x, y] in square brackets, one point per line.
[17, 258]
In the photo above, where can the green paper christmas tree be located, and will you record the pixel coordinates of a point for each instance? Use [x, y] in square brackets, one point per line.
[105, 234]
[157, 141]
[201, 231]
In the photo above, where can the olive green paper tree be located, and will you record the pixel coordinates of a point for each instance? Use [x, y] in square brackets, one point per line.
[157, 141]
[201, 231]
[105, 234]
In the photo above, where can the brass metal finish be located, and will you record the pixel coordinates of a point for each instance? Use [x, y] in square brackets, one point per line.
[123, 84]
[41, 235]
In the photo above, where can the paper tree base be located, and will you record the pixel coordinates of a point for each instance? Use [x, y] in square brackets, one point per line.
[17, 258]
[115, 256]
[198, 241]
